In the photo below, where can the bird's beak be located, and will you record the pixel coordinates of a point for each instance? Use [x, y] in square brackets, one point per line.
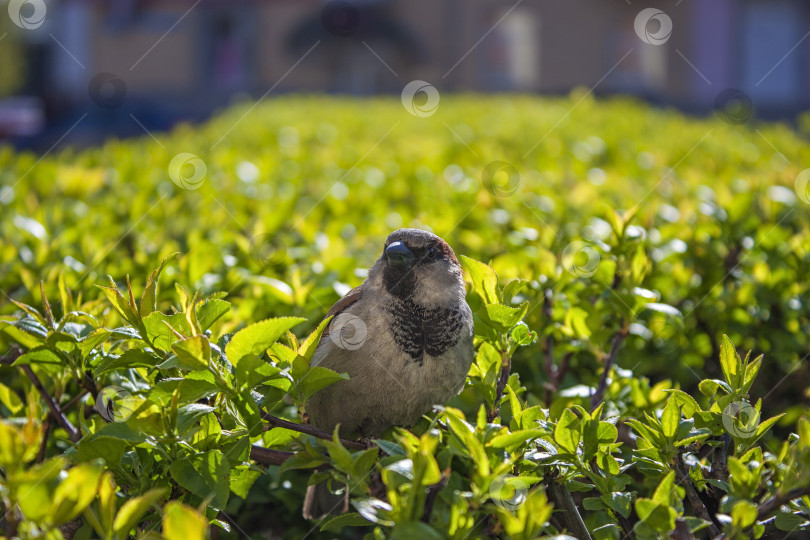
[398, 253]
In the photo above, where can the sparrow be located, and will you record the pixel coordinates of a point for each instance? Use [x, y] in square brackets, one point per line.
[404, 337]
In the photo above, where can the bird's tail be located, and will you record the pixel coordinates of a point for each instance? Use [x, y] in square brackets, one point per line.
[320, 501]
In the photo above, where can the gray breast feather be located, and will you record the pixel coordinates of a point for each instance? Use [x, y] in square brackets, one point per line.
[386, 386]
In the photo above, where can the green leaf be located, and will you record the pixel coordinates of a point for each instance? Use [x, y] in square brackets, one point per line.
[39, 355]
[317, 378]
[258, 337]
[341, 457]
[766, 425]
[110, 449]
[189, 414]
[511, 441]
[131, 358]
[10, 399]
[663, 493]
[501, 317]
[788, 522]
[730, 362]
[659, 517]
[744, 514]
[158, 331]
[567, 431]
[120, 304]
[576, 318]
[670, 418]
[687, 403]
[307, 348]
[364, 461]
[181, 522]
[94, 339]
[474, 447]
[484, 279]
[302, 460]
[352, 519]
[619, 502]
[709, 387]
[751, 372]
[134, 509]
[26, 339]
[242, 479]
[415, 529]
[149, 297]
[210, 311]
[204, 474]
[75, 492]
[193, 353]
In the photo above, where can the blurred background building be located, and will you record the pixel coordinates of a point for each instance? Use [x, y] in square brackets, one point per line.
[83, 70]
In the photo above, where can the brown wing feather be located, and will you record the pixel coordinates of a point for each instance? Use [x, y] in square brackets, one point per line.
[343, 304]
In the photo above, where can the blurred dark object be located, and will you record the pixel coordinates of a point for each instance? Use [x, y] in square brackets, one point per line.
[184, 59]
[21, 116]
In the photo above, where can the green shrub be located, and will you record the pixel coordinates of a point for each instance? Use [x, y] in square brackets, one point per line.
[629, 242]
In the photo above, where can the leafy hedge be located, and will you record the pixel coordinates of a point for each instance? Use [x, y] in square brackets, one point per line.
[634, 246]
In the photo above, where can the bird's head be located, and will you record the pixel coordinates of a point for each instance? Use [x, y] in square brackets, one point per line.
[419, 265]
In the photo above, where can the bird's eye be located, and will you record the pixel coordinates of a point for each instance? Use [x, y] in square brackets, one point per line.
[431, 252]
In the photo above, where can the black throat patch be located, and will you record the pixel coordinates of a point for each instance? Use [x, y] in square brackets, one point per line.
[400, 282]
[419, 330]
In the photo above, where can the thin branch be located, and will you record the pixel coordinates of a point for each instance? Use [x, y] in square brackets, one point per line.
[433, 492]
[309, 430]
[11, 356]
[506, 368]
[75, 400]
[778, 500]
[569, 512]
[697, 504]
[266, 456]
[618, 339]
[681, 531]
[89, 384]
[44, 444]
[56, 412]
